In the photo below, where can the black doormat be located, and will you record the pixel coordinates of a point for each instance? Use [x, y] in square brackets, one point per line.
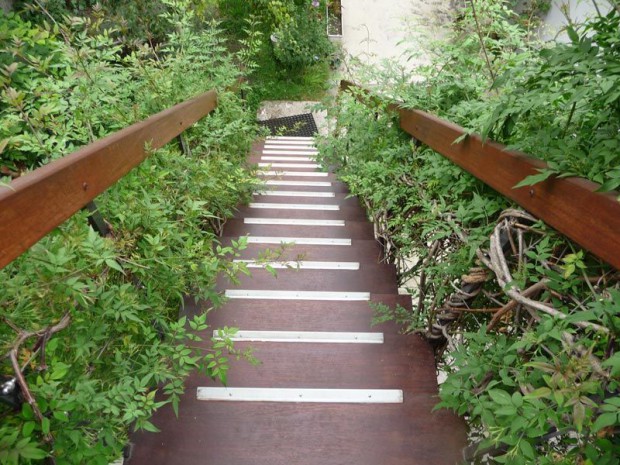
[296, 125]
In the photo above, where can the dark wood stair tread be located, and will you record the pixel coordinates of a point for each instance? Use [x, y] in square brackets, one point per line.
[294, 433]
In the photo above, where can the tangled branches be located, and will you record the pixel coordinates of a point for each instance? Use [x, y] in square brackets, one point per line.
[497, 262]
[508, 248]
[42, 337]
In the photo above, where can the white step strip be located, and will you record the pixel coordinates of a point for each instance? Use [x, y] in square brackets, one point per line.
[290, 152]
[294, 206]
[339, 396]
[297, 240]
[278, 182]
[315, 174]
[270, 146]
[294, 222]
[289, 138]
[274, 158]
[289, 165]
[288, 145]
[296, 194]
[302, 265]
[296, 295]
[290, 142]
[312, 337]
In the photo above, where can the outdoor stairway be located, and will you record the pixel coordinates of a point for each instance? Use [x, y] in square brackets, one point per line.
[330, 389]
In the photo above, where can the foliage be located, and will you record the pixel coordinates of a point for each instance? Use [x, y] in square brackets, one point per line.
[30, 58]
[130, 23]
[535, 388]
[270, 82]
[548, 400]
[289, 47]
[302, 40]
[569, 100]
[121, 350]
[559, 102]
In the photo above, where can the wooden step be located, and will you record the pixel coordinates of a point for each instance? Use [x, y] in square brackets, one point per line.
[341, 199]
[296, 175]
[229, 433]
[351, 230]
[330, 389]
[363, 251]
[299, 315]
[379, 279]
[335, 366]
[304, 210]
[306, 185]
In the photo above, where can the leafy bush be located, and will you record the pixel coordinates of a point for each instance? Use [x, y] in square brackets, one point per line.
[534, 390]
[90, 325]
[558, 102]
[130, 23]
[537, 378]
[30, 59]
[301, 41]
[568, 99]
[288, 44]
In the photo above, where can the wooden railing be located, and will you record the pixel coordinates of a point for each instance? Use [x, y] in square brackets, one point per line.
[570, 205]
[34, 204]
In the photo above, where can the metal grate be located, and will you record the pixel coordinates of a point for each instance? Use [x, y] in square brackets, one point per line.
[297, 125]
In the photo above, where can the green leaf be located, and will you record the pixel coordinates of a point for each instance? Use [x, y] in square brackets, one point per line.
[539, 393]
[148, 426]
[605, 420]
[507, 411]
[28, 428]
[517, 399]
[500, 396]
[45, 425]
[27, 412]
[534, 179]
[60, 416]
[613, 363]
[114, 265]
[572, 34]
[32, 452]
[609, 185]
[579, 414]
[527, 450]
[59, 371]
[518, 423]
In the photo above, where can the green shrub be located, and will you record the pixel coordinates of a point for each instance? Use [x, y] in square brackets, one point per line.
[302, 41]
[130, 23]
[295, 65]
[96, 379]
[534, 388]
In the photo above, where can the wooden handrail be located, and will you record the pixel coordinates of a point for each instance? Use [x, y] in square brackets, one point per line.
[34, 204]
[570, 205]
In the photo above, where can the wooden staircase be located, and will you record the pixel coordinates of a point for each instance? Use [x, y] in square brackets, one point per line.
[330, 389]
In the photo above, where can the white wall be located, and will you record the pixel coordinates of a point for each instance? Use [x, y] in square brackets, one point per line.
[372, 30]
[577, 10]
